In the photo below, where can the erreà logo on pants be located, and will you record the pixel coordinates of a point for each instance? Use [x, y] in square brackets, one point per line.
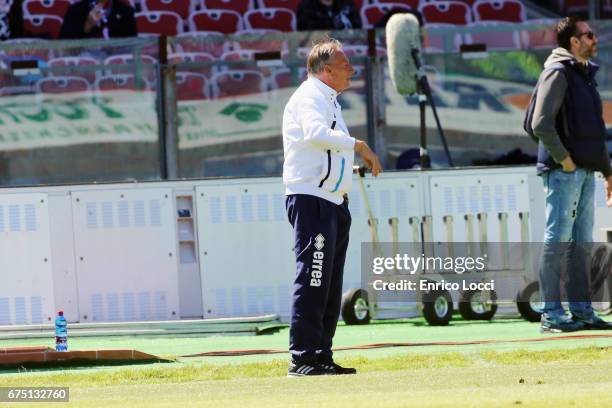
[317, 261]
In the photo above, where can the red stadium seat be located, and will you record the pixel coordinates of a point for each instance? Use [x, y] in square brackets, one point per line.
[373, 13]
[272, 18]
[148, 69]
[413, 4]
[288, 4]
[446, 12]
[569, 7]
[72, 61]
[221, 21]
[282, 78]
[546, 38]
[191, 86]
[89, 75]
[42, 26]
[193, 57]
[440, 43]
[62, 84]
[468, 2]
[46, 7]
[128, 59]
[495, 40]
[236, 83]
[258, 40]
[120, 82]
[181, 57]
[159, 23]
[239, 55]
[239, 6]
[180, 7]
[511, 11]
[211, 42]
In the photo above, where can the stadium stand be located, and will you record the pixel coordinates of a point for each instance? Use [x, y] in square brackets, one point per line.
[191, 86]
[511, 11]
[413, 4]
[179, 58]
[287, 4]
[256, 39]
[221, 21]
[182, 57]
[116, 82]
[159, 23]
[271, 18]
[62, 84]
[239, 6]
[373, 13]
[201, 41]
[446, 12]
[72, 61]
[44, 26]
[65, 62]
[237, 82]
[494, 40]
[180, 7]
[46, 7]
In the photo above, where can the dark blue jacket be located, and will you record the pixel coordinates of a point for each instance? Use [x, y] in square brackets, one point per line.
[580, 123]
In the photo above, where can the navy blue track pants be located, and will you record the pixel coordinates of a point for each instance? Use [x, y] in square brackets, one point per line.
[321, 231]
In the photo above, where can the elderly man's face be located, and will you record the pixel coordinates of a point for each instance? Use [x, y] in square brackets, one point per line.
[339, 71]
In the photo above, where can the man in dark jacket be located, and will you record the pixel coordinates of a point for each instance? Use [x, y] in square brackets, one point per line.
[327, 15]
[567, 120]
[99, 19]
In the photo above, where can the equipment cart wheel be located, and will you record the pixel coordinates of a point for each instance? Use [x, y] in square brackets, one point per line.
[437, 307]
[473, 307]
[528, 302]
[355, 307]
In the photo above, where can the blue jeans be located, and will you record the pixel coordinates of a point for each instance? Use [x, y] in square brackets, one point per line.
[569, 230]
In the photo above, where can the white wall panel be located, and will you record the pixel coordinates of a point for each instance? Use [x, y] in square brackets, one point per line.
[126, 254]
[26, 291]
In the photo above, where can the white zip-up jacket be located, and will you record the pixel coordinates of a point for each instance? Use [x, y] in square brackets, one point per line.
[319, 152]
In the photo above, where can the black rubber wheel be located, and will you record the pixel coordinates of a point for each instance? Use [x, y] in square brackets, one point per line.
[355, 307]
[528, 302]
[471, 307]
[437, 307]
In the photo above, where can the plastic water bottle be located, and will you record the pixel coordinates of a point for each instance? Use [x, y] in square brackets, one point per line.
[61, 332]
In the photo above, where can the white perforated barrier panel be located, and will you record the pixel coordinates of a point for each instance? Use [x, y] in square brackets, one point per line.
[472, 206]
[26, 291]
[125, 248]
[459, 195]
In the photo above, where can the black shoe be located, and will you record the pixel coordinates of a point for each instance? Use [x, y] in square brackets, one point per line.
[331, 368]
[593, 322]
[563, 325]
[303, 369]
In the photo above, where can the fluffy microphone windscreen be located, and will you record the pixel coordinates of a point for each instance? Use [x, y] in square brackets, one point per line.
[402, 33]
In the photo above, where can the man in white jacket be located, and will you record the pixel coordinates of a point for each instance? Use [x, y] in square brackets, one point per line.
[317, 174]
